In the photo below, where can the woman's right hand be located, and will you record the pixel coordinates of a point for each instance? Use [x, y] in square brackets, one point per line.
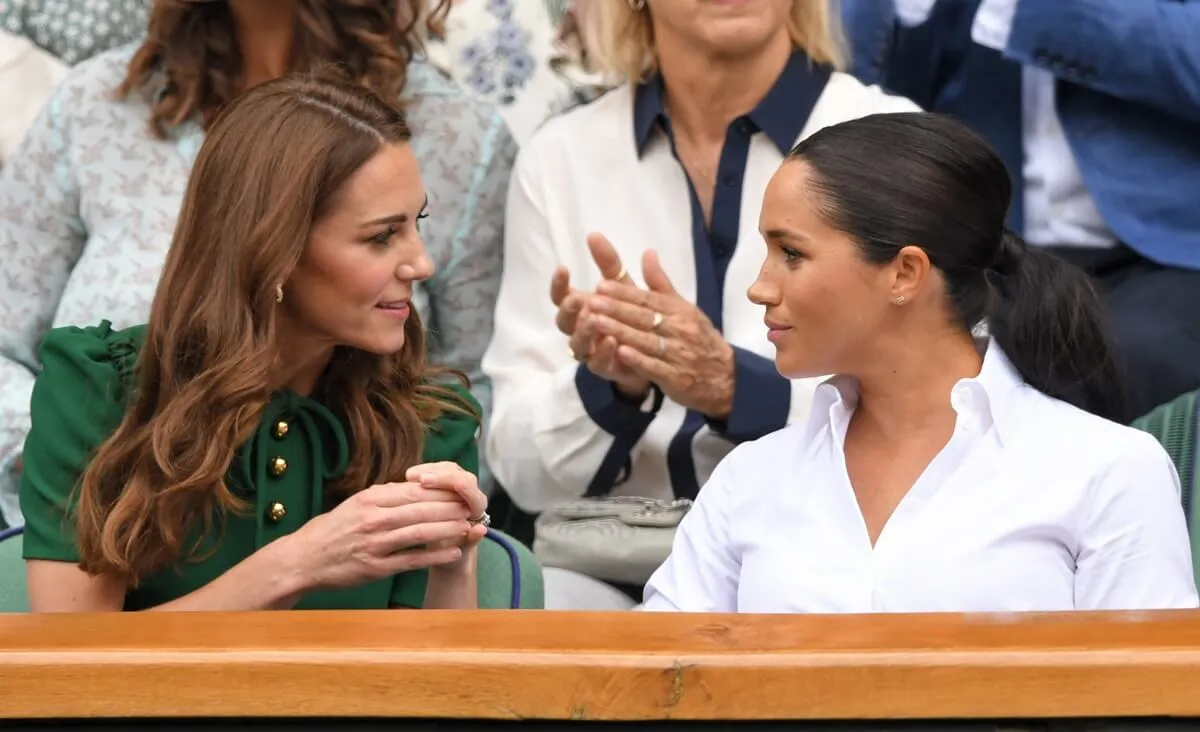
[379, 532]
[588, 346]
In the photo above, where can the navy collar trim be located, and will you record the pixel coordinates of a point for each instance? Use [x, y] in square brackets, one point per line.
[781, 114]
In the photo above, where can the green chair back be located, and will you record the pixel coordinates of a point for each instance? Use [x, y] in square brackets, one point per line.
[12, 576]
[509, 575]
[1176, 426]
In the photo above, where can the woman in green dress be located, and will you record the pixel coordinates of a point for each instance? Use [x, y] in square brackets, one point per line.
[272, 437]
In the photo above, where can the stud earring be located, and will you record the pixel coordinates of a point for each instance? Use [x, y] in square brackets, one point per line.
[278, 293]
[899, 299]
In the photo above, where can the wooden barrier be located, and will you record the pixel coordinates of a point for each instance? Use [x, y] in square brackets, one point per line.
[585, 666]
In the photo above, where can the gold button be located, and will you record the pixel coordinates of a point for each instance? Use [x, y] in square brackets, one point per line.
[276, 512]
[281, 430]
[278, 466]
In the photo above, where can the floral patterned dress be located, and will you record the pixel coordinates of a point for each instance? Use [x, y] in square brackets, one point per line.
[76, 30]
[524, 56]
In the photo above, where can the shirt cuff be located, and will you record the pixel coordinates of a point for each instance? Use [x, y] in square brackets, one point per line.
[762, 399]
[615, 414]
[993, 23]
[912, 13]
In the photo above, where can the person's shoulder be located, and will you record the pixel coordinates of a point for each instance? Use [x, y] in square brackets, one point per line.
[98, 77]
[432, 98]
[1095, 441]
[463, 126]
[457, 424]
[79, 399]
[846, 98]
[74, 357]
[613, 107]
[592, 126]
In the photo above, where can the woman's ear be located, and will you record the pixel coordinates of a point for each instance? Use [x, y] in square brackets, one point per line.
[911, 270]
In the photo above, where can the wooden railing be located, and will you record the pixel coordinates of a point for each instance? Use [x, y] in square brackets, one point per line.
[580, 666]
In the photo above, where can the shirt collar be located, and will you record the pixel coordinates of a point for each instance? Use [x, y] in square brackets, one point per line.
[984, 400]
[781, 114]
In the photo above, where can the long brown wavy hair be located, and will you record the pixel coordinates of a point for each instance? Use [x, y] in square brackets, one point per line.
[191, 47]
[269, 168]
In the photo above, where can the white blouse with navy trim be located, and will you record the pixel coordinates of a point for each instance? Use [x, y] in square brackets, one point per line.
[557, 431]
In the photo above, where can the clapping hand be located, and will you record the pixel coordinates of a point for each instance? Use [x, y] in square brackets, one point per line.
[664, 339]
[597, 351]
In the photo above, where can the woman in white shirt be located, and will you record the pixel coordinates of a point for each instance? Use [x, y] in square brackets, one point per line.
[675, 159]
[937, 471]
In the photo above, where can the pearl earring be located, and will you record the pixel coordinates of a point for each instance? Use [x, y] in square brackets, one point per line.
[278, 293]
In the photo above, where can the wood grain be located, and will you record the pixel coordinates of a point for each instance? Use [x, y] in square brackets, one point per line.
[610, 666]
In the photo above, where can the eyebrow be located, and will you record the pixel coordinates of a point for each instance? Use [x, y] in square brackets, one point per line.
[783, 234]
[396, 218]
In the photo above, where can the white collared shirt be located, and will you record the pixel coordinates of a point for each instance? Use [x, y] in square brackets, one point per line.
[1059, 211]
[1033, 505]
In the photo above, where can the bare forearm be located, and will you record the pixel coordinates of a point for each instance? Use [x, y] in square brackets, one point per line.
[453, 587]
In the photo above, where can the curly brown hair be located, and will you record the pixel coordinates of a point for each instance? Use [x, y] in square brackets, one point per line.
[193, 46]
[210, 350]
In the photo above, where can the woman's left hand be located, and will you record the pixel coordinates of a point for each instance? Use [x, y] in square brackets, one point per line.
[667, 340]
[451, 477]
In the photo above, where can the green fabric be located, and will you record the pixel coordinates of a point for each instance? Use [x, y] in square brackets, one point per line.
[79, 399]
[494, 588]
[12, 577]
[1174, 424]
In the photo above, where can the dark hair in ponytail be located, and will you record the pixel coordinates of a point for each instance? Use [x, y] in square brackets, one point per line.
[919, 179]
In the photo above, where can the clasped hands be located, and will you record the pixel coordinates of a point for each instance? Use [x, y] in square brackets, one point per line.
[430, 520]
[635, 337]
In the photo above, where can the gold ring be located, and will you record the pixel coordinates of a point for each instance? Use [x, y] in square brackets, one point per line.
[620, 275]
[658, 321]
[576, 356]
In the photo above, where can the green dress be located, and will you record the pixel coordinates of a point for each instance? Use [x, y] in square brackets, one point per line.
[78, 401]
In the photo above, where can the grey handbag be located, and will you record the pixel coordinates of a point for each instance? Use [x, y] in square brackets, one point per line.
[616, 539]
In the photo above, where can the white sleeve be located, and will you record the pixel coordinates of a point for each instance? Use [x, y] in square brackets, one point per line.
[914, 12]
[993, 23]
[701, 574]
[1134, 551]
[553, 422]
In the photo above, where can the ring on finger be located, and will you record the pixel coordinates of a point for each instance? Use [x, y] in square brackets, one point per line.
[662, 346]
[483, 519]
[658, 321]
[620, 275]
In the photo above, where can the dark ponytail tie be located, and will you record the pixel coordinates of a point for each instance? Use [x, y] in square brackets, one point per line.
[1010, 255]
